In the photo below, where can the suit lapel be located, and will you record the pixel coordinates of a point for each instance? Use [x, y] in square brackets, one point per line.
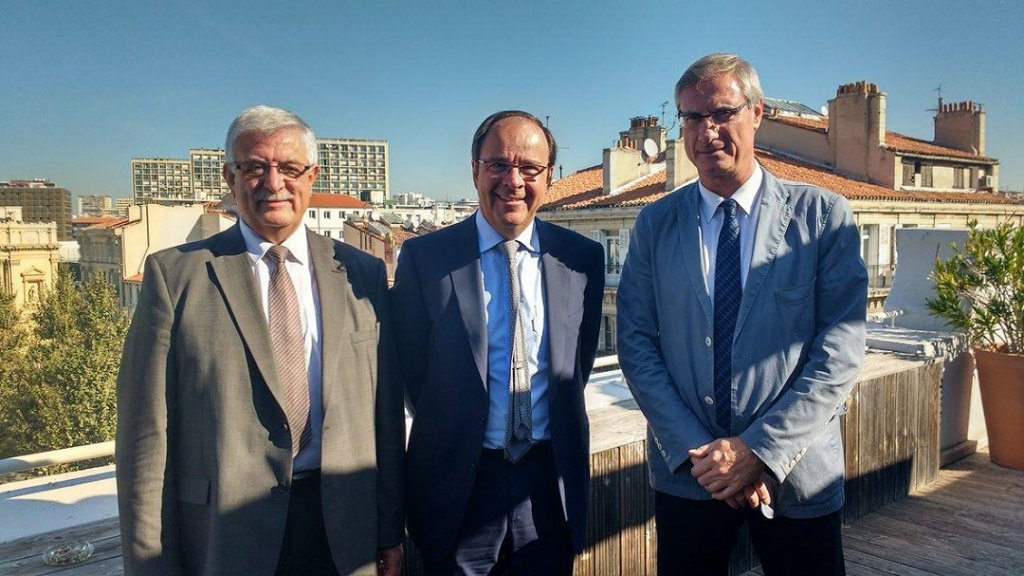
[469, 291]
[562, 295]
[336, 297]
[772, 221]
[233, 271]
[688, 215]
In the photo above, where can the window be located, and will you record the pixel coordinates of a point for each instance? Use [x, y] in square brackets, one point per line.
[958, 177]
[926, 176]
[616, 243]
[312, 214]
[908, 173]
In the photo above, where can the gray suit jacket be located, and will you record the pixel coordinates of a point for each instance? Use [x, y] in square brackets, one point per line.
[798, 346]
[438, 303]
[203, 456]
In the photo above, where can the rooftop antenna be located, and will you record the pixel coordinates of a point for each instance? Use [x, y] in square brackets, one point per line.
[663, 106]
[939, 107]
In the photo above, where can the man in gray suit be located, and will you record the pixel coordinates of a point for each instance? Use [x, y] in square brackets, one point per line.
[259, 429]
[741, 318]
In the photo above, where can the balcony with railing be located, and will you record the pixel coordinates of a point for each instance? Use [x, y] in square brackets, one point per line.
[903, 515]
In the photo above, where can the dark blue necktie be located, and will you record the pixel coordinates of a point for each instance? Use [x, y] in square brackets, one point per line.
[728, 292]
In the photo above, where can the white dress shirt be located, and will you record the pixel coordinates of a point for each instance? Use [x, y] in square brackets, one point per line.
[300, 270]
[748, 197]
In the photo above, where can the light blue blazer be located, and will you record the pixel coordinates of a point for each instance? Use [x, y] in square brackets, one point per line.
[798, 347]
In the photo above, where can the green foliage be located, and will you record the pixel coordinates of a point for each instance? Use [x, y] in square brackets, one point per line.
[65, 393]
[13, 346]
[980, 289]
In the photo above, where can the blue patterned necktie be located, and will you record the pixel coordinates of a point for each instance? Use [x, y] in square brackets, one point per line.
[728, 292]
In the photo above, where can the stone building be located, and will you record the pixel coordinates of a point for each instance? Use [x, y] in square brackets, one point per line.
[28, 257]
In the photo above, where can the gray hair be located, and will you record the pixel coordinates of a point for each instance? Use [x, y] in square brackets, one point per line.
[266, 120]
[714, 65]
[490, 121]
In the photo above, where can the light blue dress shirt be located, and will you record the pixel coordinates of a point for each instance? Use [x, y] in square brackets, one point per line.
[499, 330]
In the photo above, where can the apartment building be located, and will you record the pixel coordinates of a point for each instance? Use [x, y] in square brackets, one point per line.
[359, 168]
[40, 200]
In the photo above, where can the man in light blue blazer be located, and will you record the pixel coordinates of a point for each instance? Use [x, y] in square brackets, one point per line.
[741, 322]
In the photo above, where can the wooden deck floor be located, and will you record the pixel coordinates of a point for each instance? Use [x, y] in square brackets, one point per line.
[969, 522]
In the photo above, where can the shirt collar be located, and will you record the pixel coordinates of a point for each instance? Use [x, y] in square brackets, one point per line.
[745, 195]
[257, 247]
[488, 237]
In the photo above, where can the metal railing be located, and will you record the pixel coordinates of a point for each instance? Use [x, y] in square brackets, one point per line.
[880, 275]
[54, 457]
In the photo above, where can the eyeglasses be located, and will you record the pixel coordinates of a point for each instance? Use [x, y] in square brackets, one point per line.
[694, 120]
[499, 168]
[255, 169]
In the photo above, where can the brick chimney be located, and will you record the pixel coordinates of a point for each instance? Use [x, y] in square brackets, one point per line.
[857, 128]
[627, 160]
[961, 125]
[621, 165]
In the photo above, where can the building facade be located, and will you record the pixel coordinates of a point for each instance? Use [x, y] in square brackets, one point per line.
[95, 205]
[162, 180]
[40, 201]
[28, 258]
[359, 168]
[116, 250]
[207, 173]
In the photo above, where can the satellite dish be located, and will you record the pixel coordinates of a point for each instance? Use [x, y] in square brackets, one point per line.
[824, 110]
[650, 149]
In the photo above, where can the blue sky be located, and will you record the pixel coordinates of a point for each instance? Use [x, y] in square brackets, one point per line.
[87, 85]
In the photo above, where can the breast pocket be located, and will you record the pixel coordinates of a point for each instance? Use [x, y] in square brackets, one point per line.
[364, 349]
[796, 308]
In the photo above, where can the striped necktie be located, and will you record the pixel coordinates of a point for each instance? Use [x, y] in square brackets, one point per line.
[289, 347]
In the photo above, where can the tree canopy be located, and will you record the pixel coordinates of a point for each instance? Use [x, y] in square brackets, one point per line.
[59, 388]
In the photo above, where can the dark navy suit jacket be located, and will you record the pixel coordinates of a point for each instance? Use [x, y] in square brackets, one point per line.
[442, 347]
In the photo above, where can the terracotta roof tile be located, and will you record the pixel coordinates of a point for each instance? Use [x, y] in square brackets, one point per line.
[92, 220]
[336, 201]
[108, 223]
[578, 191]
[893, 140]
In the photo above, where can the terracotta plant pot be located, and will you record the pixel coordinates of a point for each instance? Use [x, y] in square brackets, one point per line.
[1001, 381]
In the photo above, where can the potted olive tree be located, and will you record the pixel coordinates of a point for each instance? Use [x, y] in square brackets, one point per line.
[980, 292]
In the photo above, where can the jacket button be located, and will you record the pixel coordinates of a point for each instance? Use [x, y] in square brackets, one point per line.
[285, 427]
[709, 400]
[707, 341]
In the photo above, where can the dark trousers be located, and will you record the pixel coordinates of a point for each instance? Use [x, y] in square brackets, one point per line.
[697, 536]
[514, 523]
[305, 549]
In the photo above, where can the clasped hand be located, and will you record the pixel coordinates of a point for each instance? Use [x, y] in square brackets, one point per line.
[730, 472]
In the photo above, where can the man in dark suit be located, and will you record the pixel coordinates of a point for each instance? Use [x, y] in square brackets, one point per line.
[259, 429]
[498, 319]
[741, 318]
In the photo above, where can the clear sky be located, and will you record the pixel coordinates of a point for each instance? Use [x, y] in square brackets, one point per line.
[86, 85]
